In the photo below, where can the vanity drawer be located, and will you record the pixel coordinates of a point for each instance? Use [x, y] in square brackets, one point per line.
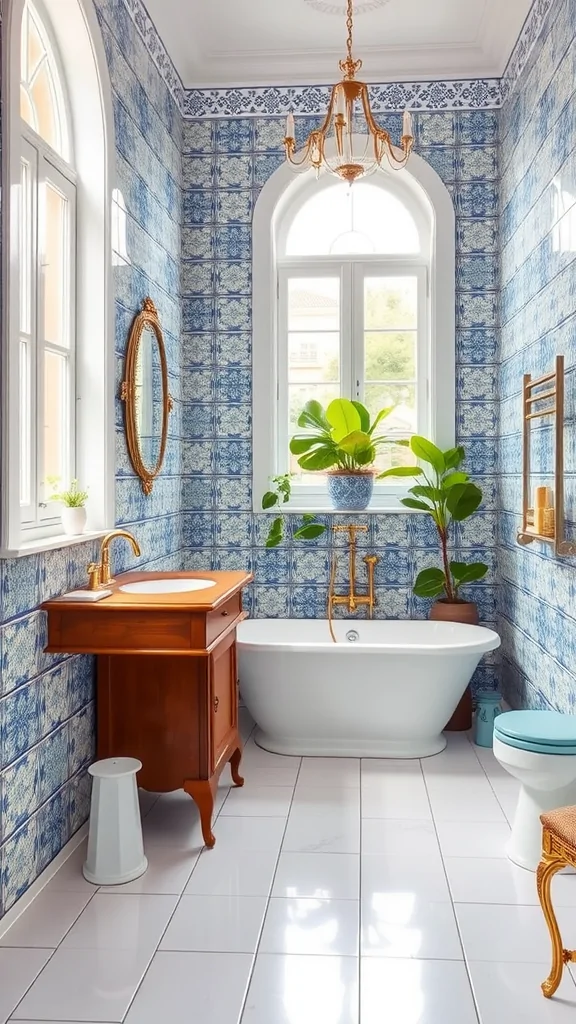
[223, 710]
[219, 620]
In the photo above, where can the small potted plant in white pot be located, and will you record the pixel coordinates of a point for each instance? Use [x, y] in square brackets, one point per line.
[73, 501]
[343, 442]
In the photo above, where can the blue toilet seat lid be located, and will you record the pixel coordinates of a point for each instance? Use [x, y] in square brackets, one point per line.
[547, 731]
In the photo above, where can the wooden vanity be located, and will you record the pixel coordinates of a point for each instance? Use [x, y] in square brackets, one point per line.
[167, 689]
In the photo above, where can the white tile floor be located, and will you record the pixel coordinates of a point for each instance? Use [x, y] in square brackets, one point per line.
[339, 892]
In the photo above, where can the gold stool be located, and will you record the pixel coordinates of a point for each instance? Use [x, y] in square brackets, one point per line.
[558, 851]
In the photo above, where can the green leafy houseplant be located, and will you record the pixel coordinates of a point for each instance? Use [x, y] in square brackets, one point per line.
[72, 497]
[448, 495]
[341, 438]
[310, 528]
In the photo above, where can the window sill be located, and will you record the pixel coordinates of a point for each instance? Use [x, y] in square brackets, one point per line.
[64, 540]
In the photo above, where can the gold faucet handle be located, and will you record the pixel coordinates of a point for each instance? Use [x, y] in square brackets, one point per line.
[371, 559]
[94, 578]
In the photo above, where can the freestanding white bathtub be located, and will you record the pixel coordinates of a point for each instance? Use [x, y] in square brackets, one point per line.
[385, 689]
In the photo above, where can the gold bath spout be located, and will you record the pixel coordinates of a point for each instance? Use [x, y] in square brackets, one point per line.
[351, 599]
[99, 574]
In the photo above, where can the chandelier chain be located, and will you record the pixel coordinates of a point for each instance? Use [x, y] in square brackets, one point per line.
[349, 26]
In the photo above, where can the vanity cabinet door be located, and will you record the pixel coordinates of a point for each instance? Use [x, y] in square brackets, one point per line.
[223, 698]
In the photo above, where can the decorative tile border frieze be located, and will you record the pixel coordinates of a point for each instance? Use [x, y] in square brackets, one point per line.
[157, 50]
[312, 100]
[530, 32]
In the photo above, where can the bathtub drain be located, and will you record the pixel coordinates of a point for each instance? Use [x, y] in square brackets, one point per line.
[352, 636]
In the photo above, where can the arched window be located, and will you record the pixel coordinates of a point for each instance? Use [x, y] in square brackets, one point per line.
[47, 276]
[352, 312]
[58, 336]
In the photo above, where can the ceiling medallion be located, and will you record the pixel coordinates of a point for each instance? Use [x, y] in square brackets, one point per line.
[362, 7]
[361, 145]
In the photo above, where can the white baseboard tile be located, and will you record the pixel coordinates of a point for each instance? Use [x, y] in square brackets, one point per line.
[47, 875]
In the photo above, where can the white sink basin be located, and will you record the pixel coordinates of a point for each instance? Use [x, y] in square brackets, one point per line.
[175, 586]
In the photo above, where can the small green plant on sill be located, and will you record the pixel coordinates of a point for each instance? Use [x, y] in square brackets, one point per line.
[72, 497]
[341, 438]
[280, 495]
[447, 494]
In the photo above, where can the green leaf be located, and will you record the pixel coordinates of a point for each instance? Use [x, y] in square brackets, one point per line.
[357, 439]
[455, 478]
[300, 444]
[402, 471]
[430, 583]
[463, 500]
[313, 415]
[425, 491]
[428, 452]
[309, 532]
[308, 517]
[365, 456]
[381, 416]
[463, 573]
[275, 533]
[403, 443]
[412, 503]
[343, 417]
[453, 457]
[364, 416]
[322, 458]
[269, 500]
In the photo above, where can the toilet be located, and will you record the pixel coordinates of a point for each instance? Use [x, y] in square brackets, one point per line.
[539, 749]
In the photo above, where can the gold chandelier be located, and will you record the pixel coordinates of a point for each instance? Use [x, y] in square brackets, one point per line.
[361, 145]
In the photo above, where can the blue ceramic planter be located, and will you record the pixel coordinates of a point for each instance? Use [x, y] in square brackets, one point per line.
[350, 492]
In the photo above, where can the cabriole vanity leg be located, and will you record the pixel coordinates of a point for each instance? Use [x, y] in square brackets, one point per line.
[235, 765]
[203, 793]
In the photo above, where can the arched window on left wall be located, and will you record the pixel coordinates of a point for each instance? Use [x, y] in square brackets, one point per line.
[58, 325]
[47, 276]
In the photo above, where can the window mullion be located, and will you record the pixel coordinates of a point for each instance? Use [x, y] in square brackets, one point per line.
[346, 332]
[358, 331]
[41, 493]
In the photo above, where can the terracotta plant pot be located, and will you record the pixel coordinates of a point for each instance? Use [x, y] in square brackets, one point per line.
[458, 611]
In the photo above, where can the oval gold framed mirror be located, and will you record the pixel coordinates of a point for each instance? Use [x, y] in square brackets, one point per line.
[145, 395]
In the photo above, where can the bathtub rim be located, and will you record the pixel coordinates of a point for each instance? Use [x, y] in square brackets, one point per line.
[488, 640]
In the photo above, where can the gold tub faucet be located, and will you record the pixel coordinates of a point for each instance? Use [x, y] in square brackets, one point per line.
[352, 599]
[99, 572]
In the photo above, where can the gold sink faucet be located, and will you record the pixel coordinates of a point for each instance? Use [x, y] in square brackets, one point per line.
[99, 572]
[351, 599]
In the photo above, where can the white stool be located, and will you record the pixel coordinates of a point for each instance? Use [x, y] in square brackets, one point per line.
[115, 847]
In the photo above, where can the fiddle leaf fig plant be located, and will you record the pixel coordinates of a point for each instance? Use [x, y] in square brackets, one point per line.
[279, 495]
[342, 437]
[448, 495]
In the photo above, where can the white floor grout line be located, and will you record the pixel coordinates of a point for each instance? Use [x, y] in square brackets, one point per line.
[178, 902]
[465, 959]
[265, 914]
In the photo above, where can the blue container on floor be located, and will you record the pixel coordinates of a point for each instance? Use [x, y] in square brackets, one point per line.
[487, 704]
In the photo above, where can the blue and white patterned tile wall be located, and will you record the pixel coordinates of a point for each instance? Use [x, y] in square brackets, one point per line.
[226, 162]
[46, 702]
[538, 242]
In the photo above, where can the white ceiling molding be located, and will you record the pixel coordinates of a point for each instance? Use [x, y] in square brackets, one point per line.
[463, 85]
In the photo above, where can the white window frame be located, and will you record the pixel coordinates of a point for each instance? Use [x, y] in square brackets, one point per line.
[48, 167]
[429, 201]
[79, 47]
[351, 271]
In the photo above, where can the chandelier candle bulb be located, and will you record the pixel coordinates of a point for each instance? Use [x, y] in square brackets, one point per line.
[407, 125]
[290, 126]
